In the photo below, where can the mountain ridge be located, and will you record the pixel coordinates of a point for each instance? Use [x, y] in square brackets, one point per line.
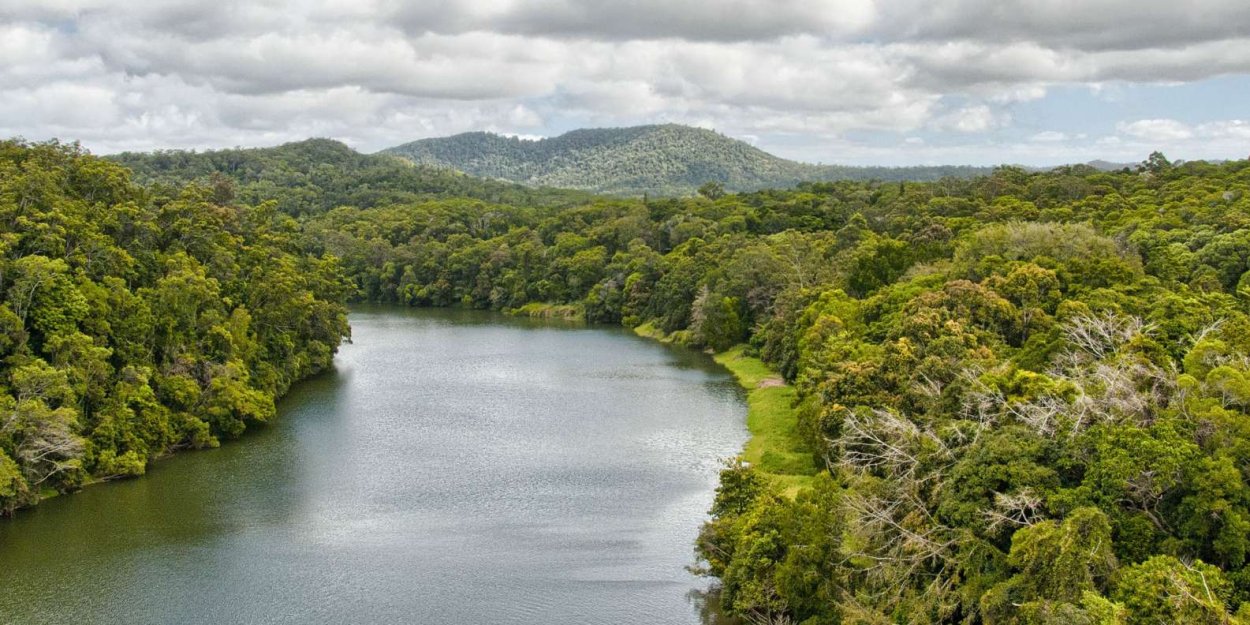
[315, 175]
[661, 159]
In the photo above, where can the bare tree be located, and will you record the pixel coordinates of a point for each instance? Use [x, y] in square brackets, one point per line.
[1100, 336]
[880, 441]
[1020, 509]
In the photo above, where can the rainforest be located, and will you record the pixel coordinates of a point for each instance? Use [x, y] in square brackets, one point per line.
[1017, 398]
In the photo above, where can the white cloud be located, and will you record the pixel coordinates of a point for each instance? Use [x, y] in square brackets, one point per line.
[1233, 129]
[1156, 129]
[194, 73]
[522, 137]
[1049, 136]
[972, 119]
[701, 20]
[1067, 24]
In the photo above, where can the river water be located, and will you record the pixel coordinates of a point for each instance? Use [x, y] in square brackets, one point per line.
[454, 467]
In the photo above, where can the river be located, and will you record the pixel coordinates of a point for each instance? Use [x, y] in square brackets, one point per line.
[454, 467]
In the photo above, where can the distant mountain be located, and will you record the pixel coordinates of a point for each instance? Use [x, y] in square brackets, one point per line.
[1102, 165]
[664, 160]
[315, 175]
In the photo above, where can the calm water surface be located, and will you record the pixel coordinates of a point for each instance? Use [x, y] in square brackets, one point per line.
[454, 467]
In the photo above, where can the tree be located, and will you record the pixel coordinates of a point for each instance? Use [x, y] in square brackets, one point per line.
[1164, 589]
[13, 488]
[123, 323]
[715, 320]
[712, 190]
[42, 424]
[1056, 564]
[1156, 163]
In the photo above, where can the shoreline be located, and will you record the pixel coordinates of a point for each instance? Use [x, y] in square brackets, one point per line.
[167, 454]
[774, 446]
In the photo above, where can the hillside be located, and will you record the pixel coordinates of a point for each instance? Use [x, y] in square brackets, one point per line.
[660, 160]
[315, 175]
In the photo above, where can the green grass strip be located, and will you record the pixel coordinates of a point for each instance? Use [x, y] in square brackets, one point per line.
[776, 448]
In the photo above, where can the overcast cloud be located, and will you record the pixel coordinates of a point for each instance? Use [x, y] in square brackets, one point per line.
[851, 81]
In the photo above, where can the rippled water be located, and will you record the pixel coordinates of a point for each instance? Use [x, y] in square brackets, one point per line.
[455, 467]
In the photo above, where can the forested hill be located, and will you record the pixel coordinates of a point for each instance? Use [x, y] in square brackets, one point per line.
[657, 160]
[315, 175]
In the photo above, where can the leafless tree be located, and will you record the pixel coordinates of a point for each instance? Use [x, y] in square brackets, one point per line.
[1020, 509]
[47, 445]
[882, 442]
[1100, 336]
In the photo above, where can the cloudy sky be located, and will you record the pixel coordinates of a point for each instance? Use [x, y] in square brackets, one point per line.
[835, 81]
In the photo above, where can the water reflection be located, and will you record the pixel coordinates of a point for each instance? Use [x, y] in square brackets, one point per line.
[707, 602]
[454, 468]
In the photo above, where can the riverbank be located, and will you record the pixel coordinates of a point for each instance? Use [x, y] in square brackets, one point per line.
[542, 310]
[775, 448]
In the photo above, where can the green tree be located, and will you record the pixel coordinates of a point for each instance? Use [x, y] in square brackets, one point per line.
[1164, 589]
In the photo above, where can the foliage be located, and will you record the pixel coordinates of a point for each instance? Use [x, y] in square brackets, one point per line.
[1018, 398]
[313, 176]
[1022, 388]
[132, 325]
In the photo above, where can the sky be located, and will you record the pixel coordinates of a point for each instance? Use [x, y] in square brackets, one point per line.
[861, 82]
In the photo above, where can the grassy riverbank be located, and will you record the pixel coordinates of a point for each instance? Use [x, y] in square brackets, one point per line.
[540, 310]
[776, 448]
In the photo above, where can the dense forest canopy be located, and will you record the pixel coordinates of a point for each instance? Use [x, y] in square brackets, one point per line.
[667, 160]
[316, 175]
[1025, 395]
[133, 324]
